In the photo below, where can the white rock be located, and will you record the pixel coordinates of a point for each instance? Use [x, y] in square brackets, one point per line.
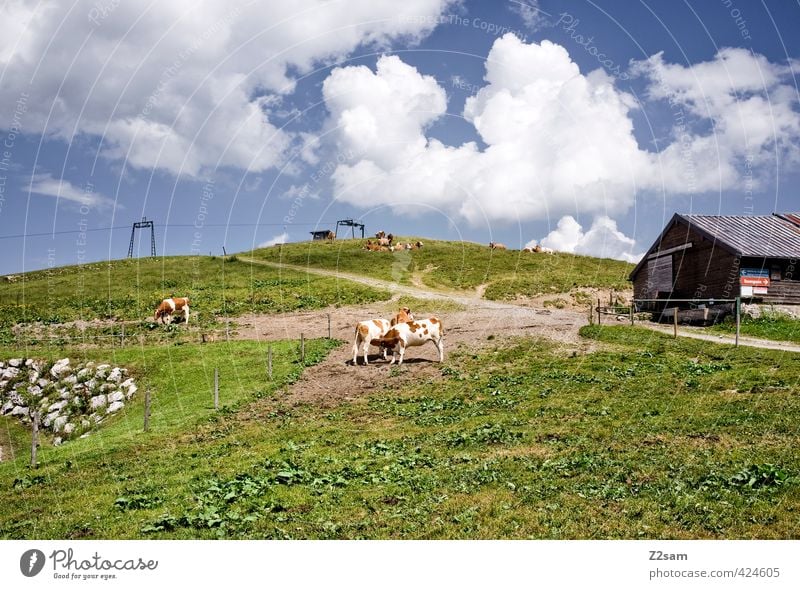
[97, 417]
[35, 391]
[57, 441]
[7, 406]
[126, 383]
[69, 428]
[2, 364]
[29, 362]
[70, 379]
[64, 393]
[60, 368]
[83, 372]
[108, 387]
[131, 391]
[15, 362]
[98, 401]
[115, 376]
[102, 370]
[43, 382]
[33, 376]
[57, 406]
[76, 401]
[115, 406]
[15, 397]
[85, 423]
[59, 422]
[10, 372]
[49, 418]
[19, 410]
[117, 396]
[91, 384]
[3, 383]
[86, 435]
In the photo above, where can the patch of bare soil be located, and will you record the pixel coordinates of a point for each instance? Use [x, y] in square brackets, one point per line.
[337, 380]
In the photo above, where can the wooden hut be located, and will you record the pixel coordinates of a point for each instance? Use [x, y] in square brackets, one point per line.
[723, 257]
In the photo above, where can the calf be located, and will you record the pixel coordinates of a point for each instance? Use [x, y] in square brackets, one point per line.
[404, 315]
[496, 246]
[170, 306]
[366, 332]
[413, 333]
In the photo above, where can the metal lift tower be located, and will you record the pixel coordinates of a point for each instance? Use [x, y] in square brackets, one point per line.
[143, 224]
[350, 223]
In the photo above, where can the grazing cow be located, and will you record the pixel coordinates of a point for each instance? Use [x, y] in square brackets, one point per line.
[418, 244]
[497, 246]
[170, 306]
[380, 234]
[366, 332]
[547, 250]
[413, 333]
[404, 315]
[527, 250]
[384, 242]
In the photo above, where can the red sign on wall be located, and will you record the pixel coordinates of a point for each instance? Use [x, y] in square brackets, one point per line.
[754, 281]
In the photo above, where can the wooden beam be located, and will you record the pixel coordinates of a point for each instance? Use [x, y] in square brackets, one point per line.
[671, 250]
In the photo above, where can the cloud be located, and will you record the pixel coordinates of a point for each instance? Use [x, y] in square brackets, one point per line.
[556, 141]
[183, 86]
[282, 238]
[751, 104]
[554, 138]
[46, 185]
[602, 240]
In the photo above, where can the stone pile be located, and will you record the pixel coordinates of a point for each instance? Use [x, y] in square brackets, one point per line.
[71, 400]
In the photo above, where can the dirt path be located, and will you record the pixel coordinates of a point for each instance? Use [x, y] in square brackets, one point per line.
[750, 342]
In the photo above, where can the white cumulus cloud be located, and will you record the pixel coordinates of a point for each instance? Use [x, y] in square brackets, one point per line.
[602, 240]
[556, 140]
[183, 86]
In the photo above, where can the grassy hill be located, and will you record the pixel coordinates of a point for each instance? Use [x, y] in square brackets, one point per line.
[459, 266]
[131, 289]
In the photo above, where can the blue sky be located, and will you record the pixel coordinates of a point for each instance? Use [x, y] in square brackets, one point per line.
[580, 125]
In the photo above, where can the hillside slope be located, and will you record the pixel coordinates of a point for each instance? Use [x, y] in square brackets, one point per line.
[458, 266]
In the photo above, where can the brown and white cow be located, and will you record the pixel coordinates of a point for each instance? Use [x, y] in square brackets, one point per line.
[404, 315]
[170, 306]
[413, 333]
[366, 332]
[497, 246]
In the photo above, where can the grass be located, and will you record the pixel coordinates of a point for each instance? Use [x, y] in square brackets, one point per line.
[648, 437]
[131, 289]
[769, 326]
[459, 266]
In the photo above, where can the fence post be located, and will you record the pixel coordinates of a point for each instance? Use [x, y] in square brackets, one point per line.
[675, 317]
[302, 348]
[738, 318]
[329, 326]
[34, 438]
[591, 314]
[147, 410]
[269, 361]
[216, 388]
[631, 311]
[599, 321]
[122, 341]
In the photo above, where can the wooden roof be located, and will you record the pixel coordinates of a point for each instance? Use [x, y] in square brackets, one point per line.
[757, 236]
